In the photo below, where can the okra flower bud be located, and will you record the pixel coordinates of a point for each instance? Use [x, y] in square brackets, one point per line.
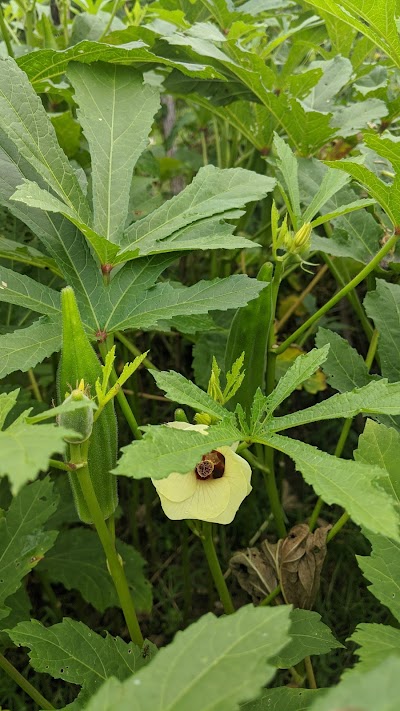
[80, 421]
[300, 242]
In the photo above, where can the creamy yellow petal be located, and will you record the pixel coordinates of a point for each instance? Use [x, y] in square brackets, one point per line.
[238, 474]
[187, 426]
[176, 487]
[236, 467]
[208, 501]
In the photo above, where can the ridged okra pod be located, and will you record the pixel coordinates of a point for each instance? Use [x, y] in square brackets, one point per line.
[79, 361]
[249, 332]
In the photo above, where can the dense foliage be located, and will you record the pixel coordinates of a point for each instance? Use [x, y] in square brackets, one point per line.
[199, 209]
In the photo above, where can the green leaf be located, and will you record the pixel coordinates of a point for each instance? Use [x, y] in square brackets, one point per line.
[129, 283]
[68, 132]
[382, 569]
[24, 120]
[25, 254]
[303, 367]
[374, 19]
[377, 690]
[211, 666]
[379, 445]
[344, 367]
[22, 290]
[355, 235]
[309, 636]
[385, 193]
[32, 195]
[287, 164]
[336, 73]
[26, 450]
[212, 192]
[350, 119]
[48, 64]
[184, 392]
[26, 347]
[116, 112]
[383, 307]
[284, 699]
[72, 652]
[77, 561]
[20, 606]
[23, 542]
[378, 397]
[164, 301]
[208, 233]
[164, 449]
[7, 402]
[376, 643]
[343, 210]
[62, 240]
[340, 34]
[331, 184]
[352, 485]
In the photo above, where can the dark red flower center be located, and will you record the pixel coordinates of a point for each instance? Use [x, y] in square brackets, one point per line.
[212, 466]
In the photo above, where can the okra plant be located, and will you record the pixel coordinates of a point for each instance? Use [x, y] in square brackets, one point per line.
[200, 214]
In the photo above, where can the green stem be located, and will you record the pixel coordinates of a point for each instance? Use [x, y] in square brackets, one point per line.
[187, 582]
[203, 146]
[14, 674]
[55, 464]
[111, 527]
[338, 526]
[272, 595]
[134, 505]
[352, 296]
[110, 20]
[217, 143]
[34, 385]
[78, 455]
[64, 20]
[269, 452]
[126, 409]
[5, 34]
[215, 568]
[29, 25]
[310, 673]
[134, 350]
[343, 292]
[273, 493]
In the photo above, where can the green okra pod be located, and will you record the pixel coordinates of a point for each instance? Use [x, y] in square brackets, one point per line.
[249, 333]
[79, 362]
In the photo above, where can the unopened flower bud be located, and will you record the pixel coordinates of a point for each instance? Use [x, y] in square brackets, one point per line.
[202, 418]
[301, 241]
[80, 420]
[180, 415]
